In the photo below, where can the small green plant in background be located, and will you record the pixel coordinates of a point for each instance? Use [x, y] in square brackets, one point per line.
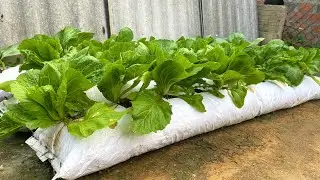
[9, 56]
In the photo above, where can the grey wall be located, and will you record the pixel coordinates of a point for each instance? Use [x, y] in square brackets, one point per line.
[25, 18]
[222, 17]
[160, 18]
[303, 1]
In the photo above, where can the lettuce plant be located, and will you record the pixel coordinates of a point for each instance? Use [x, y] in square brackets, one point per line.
[141, 75]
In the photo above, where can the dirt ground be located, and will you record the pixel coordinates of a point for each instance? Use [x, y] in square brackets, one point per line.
[280, 145]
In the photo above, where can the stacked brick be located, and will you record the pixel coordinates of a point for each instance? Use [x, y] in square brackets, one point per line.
[302, 24]
[302, 27]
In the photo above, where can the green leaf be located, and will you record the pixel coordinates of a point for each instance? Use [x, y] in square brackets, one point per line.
[9, 56]
[36, 52]
[89, 66]
[98, 117]
[24, 81]
[196, 73]
[8, 127]
[72, 37]
[117, 51]
[254, 76]
[50, 95]
[6, 86]
[256, 42]
[39, 50]
[216, 93]
[231, 77]
[44, 96]
[236, 38]
[195, 101]
[238, 94]
[53, 42]
[168, 73]
[93, 47]
[146, 79]
[112, 82]
[316, 80]
[150, 112]
[241, 62]
[52, 74]
[217, 54]
[29, 114]
[125, 35]
[136, 70]
[165, 45]
[183, 61]
[286, 73]
[211, 65]
[76, 84]
[9, 51]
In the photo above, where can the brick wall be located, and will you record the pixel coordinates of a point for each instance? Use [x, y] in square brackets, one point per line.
[302, 27]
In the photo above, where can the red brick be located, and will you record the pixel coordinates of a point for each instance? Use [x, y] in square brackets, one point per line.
[316, 30]
[305, 7]
[297, 16]
[314, 18]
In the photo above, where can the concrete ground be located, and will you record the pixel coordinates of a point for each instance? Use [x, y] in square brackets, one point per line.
[280, 145]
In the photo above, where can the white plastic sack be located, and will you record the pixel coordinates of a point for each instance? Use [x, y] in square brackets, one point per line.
[72, 157]
[9, 74]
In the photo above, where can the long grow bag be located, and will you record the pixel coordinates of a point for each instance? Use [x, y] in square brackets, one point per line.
[72, 157]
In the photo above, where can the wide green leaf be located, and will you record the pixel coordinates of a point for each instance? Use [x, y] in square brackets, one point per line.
[112, 82]
[125, 35]
[8, 127]
[23, 82]
[36, 52]
[150, 112]
[30, 114]
[99, 116]
[238, 95]
[89, 66]
[168, 73]
[72, 37]
[195, 101]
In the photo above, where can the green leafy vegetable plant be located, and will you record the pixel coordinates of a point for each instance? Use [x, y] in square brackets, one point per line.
[140, 75]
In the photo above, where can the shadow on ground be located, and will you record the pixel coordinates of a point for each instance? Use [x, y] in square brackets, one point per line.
[280, 145]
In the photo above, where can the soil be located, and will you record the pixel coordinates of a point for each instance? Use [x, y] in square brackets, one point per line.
[281, 145]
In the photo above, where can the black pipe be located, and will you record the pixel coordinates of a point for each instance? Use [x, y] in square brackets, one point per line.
[201, 18]
[106, 9]
[274, 2]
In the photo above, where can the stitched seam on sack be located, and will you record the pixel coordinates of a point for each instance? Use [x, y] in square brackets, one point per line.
[48, 151]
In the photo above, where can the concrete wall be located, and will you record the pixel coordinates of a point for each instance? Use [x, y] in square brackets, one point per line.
[271, 21]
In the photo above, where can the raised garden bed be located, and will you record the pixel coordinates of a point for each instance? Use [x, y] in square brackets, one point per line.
[99, 103]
